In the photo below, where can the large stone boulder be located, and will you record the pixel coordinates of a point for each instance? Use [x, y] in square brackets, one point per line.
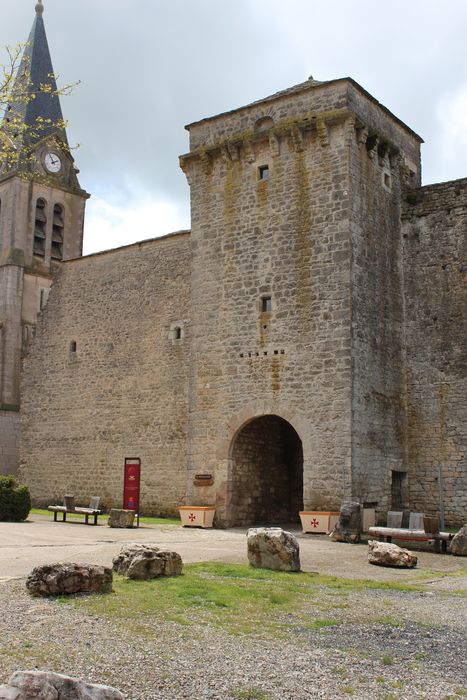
[118, 517]
[349, 526]
[65, 579]
[385, 554]
[458, 543]
[273, 548]
[142, 561]
[44, 685]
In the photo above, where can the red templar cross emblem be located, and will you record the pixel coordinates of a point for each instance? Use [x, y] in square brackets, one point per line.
[314, 523]
[192, 517]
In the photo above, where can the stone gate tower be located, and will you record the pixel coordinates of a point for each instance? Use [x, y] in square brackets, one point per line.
[41, 218]
[297, 380]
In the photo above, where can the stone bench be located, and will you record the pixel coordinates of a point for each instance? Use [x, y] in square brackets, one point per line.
[387, 534]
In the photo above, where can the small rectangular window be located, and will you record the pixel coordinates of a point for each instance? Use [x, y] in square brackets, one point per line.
[266, 305]
[263, 172]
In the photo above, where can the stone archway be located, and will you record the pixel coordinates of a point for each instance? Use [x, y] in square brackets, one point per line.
[266, 473]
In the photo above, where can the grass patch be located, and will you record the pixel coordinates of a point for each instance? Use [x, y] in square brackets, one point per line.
[235, 597]
[391, 621]
[388, 660]
[144, 520]
[320, 624]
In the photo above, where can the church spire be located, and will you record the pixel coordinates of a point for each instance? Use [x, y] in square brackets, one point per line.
[35, 111]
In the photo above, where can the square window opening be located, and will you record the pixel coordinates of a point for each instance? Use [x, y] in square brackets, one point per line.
[263, 172]
[266, 305]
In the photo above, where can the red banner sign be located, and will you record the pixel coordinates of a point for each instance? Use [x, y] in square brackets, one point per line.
[131, 484]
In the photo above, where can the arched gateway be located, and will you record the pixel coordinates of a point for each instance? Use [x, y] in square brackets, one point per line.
[266, 473]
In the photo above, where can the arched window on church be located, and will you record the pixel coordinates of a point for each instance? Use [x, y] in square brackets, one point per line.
[57, 233]
[40, 229]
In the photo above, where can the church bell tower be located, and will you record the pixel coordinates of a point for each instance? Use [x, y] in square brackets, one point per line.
[41, 218]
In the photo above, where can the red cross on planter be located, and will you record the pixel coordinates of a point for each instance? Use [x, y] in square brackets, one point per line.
[314, 523]
[192, 517]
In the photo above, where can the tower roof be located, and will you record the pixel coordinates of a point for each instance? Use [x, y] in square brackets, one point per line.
[35, 102]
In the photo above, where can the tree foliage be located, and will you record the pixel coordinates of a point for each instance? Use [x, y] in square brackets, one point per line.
[17, 91]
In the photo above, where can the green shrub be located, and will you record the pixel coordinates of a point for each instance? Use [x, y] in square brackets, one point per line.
[15, 500]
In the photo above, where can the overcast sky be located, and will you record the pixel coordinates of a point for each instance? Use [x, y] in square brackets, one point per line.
[148, 67]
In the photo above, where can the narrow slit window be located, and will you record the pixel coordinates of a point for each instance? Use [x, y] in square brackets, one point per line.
[263, 172]
[73, 346]
[178, 333]
[266, 305]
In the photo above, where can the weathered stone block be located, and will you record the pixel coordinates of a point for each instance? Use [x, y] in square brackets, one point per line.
[458, 543]
[385, 554]
[273, 548]
[66, 579]
[118, 517]
[349, 526]
[141, 561]
[45, 685]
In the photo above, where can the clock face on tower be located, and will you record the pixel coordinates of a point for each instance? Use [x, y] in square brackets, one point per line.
[52, 162]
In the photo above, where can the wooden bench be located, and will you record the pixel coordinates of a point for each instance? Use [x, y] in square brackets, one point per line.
[387, 534]
[69, 507]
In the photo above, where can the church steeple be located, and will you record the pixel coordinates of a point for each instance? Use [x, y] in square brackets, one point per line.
[34, 112]
[41, 218]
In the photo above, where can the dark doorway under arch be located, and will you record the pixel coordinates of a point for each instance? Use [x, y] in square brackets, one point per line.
[266, 477]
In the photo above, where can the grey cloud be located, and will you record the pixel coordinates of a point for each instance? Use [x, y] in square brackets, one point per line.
[149, 66]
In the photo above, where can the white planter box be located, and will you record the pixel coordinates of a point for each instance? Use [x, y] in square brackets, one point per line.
[318, 521]
[196, 516]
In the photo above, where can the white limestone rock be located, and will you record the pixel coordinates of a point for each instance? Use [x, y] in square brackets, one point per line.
[386, 554]
[118, 517]
[458, 545]
[273, 548]
[142, 562]
[68, 578]
[45, 685]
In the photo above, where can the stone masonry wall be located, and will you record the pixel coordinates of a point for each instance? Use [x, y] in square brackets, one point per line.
[287, 237]
[320, 236]
[434, 238]
[378, 395]
[107, 378]
[9, 441]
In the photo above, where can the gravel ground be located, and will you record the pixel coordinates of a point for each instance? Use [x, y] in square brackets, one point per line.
[417, 650]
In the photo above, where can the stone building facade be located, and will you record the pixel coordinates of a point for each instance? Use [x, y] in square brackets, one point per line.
[41, 219]
[300, 346]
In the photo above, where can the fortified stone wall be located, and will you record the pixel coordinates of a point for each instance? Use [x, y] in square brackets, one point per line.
[434, 238]
[379, 160]
[107, 378]
[283, 237]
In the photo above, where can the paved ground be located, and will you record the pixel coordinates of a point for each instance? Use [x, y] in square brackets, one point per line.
[41, 541]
